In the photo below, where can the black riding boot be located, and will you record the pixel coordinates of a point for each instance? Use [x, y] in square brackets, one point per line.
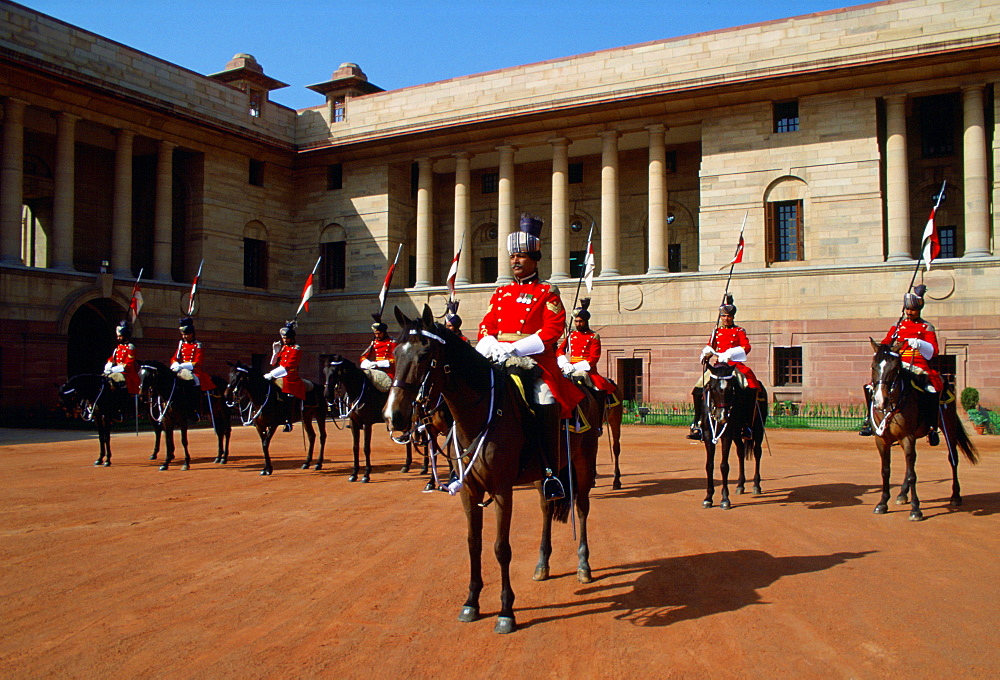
[697, 395]
[750, 408]
[192, 395]
[286, 407]
[866, 429]
[549, 433]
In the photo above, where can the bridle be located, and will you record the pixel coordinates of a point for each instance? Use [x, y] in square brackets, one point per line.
[714, 422]
[892, 400]
[156, 402]
[237, 389]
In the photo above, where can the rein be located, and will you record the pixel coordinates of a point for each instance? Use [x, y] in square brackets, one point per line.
[890, 408]
[712, 422]
[243, 410]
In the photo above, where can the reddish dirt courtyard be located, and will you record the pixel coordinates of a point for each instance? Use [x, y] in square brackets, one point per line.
[218, 572]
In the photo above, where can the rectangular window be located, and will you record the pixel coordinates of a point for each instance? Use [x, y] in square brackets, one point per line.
[787, 366]
[674, 257]
[946, 236]
[670, 163]
[786, 116]
[254, 263]
[339, 110]
[411, 273]
[630, 378]
[938, 118]
[334, 176]
[784, 231]
[256, 175]
[334, 265]
[491, 182]
[488, 269]
[256, 103]
[576, 263]
[575, 173]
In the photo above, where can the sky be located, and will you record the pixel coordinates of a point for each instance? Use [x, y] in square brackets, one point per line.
[399, 43]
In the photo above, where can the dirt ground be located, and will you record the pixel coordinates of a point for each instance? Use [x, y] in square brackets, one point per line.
[218, 572]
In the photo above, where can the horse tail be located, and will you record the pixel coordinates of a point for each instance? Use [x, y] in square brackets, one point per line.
[963, 442]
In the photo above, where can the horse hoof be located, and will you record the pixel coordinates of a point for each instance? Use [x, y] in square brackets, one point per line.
[740, 491]
[583, 575]
[185, 467]
[319, 466]
[265, 473]
[405, 468]
[881, 509]
[98, 462]
[305, 466]
[352, 478]
[468, 614]
[955, 502]
[706, 504]
[756, 490]
[107, 464]
[153, 457]
[902, 500]
[429, 486]
[616, 485]
[916, 516]
[366, 479]
[725, 505]
[505, 624]
[541, 574]
[164, 467]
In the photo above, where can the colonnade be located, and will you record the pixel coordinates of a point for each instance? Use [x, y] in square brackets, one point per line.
[64, 196]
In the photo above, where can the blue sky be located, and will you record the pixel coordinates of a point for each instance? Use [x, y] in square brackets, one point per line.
[399, 43]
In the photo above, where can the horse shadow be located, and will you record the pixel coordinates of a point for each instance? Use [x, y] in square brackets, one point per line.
[820, 496]
[651, 487]
[667, 591]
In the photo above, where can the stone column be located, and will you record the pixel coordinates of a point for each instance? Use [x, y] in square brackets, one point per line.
[609, 203]
[976, 189]
[64, 192]
[12, 181]
[506, 219]
[163, 212]
[463, 216]
[897, 191]
[560, 208]
[425, 220]
[658, 233]
[121, 220]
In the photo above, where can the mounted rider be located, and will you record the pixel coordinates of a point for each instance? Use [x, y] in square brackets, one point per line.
[729, 345]
[121, 367]
[452, 321]
[285, 374]
[379, 360]
[526, 318]
[579, 353]
[186, 362]
[919, 347]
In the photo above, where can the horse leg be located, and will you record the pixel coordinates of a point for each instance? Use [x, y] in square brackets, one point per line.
[266, 433]
[910, 450]
[409, 458]
[474, 523]
[757, 453]
[367, 477]
[356, 437]
[709, 473]
[168, 433]
[724, 503]
[615, 430]
[741, 449]
[949, 430]
[321, 426]
[311, 437]
[583, 574]
[184, 443]
[885, 452]
[158, 431]
[104, 439]
[545, 546]
[501, 548]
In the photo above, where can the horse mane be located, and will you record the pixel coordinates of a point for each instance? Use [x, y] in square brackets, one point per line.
[152, 363]
[467, 357]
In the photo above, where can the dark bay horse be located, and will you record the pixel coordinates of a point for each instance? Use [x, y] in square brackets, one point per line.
[729, 412]
[90, 397]
[364, 409]
[495, 447]
[168, 412]
[258, 402]
[895, 418]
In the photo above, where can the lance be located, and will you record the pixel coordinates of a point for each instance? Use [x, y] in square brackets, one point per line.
[583, 274]
[920, 257]
[307, 290]
[194, 288]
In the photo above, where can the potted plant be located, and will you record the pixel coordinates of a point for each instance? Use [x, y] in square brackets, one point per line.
[969, 398]
[980, 419]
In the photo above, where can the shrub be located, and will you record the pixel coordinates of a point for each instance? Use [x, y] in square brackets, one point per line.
[969, 398]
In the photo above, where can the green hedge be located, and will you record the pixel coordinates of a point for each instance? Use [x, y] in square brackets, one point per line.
[782, 415]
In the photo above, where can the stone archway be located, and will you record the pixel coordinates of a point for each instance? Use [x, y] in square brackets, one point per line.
[91, 335]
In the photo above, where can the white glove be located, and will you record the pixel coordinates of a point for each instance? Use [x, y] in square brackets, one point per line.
[268, 376]
[563, 361]
[383, 363]
[108, 366]
[175, 367]
[365, 363]
[733, 354]
[706, 352]
[582, 366]
[188, 365]
[277, 372]
[500, 352]
[525, 347]
[117, 369]
[567, 369]
[925, 348]
[485, 345]
[276, 349]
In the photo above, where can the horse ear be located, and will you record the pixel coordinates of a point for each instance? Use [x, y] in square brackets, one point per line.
[428, 316]
[875, 345]
[400, 317]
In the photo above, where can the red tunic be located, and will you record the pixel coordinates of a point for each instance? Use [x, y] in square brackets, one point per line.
[586, 346]
[382, 350]
[191, 352]
[520, 309]
[921, 330]
[288, 358]
[727, 338]
[124, 355]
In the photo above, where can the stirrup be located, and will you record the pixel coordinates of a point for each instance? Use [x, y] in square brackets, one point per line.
[287, 428]
[932, 438]
[866, 431]
[695, 434]
[552, 488]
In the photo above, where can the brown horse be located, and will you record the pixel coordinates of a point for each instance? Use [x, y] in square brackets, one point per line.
[895, 414]
[495, 446]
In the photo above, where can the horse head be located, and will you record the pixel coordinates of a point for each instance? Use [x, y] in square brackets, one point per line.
[335, 372]
[719, 392]
[886, 369]
[152, 375]
[239, 375]
[418, 350]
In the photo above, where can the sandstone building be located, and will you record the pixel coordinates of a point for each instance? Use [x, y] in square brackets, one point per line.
[831, 134]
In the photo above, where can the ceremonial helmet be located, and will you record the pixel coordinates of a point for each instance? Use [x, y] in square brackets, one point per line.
[728, 307]
[378, 325]
[124, 329]
[527, 239]
[915, 300]
[288, 330]
[582, 312]
[187, 325]
[451, 314]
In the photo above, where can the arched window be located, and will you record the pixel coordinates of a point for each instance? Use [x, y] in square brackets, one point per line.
[484, 253]
[784, 215]
[255, 255]
[333, 249]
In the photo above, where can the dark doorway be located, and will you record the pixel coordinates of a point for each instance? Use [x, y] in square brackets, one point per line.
[92, 336]
[630, 378]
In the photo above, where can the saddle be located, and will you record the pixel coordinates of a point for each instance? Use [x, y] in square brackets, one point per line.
[380, 379]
